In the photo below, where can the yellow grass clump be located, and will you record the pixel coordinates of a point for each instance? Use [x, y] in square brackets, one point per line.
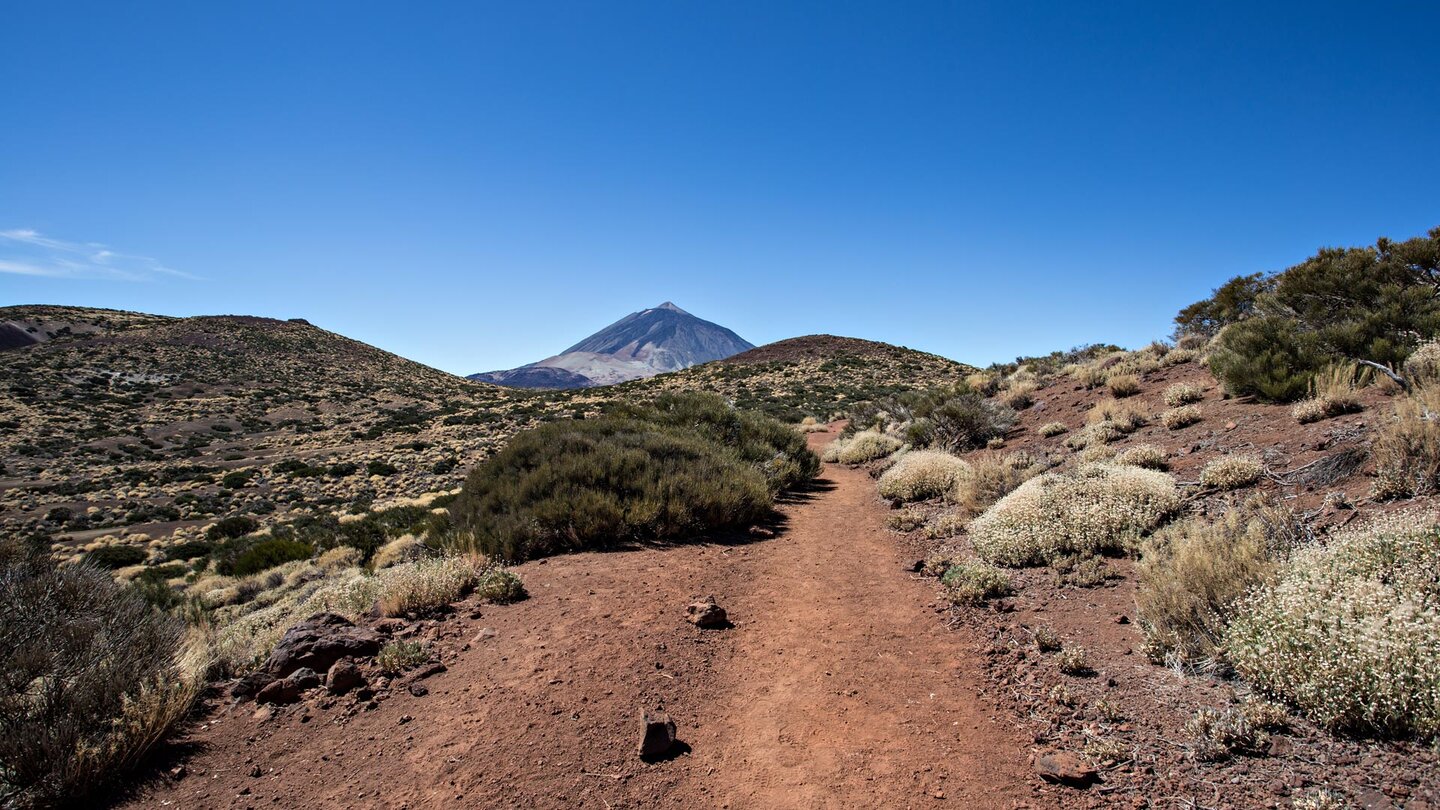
[1183, 394]
[1407, 447]
[1183, 416]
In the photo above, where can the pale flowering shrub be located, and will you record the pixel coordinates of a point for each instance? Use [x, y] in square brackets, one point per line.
[922, 474]
[1094, 435]
[1095, 508]
[1183, 394]
[1350, 632]
[1232, 472]
[1423, 364]
[867, 445]
[1180, 417]
[1050, 429]
[1143, 455]
[1127, 418]
[972, 582]
[1178, 356]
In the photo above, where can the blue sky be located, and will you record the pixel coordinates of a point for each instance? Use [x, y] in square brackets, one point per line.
[478, 185]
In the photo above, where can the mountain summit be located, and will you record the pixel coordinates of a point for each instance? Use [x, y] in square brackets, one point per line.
[642, 344]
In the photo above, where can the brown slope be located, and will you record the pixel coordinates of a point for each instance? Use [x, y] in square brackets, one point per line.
[836, 688]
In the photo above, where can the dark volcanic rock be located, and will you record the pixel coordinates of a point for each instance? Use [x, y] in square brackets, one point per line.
[659, 735]
[1065, 768]
[343, 676]
[320, 641]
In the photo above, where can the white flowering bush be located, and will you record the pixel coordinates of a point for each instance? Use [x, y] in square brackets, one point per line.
[866, 445]
[1180, 417]
[1143, 455]
[1350, 632]
[1050, 429]
[922, 474]
[1183, 394]
[1096, 508]
[1423, 364]
[1232, 472]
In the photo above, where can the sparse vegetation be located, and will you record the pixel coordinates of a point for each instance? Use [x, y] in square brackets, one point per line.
[1332, 393]
[866, 445]
[1123, 385]
[1051, 429]
[992, 477]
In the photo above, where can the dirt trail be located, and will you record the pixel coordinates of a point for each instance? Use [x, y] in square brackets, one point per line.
[837, 687]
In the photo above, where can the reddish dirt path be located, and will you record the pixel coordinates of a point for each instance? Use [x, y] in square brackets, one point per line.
[837, 687]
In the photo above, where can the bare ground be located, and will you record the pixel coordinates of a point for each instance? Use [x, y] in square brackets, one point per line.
[838, 686]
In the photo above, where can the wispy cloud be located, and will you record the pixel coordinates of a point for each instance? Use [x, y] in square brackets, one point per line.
[30, 253]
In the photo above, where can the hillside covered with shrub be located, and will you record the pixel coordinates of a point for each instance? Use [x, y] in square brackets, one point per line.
[1259, 495]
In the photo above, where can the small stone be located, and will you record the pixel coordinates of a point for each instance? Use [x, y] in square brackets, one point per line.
[1064, 768]
[1122, 619]
[344, 676]
[178, 772]
[707, 615]
[419, 690]
[255, 771]
[659, 734]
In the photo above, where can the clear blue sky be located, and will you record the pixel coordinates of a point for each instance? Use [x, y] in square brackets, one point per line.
[478, 185]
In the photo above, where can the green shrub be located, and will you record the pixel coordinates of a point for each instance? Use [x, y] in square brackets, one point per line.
[501, 586]
[236, 479]
[242, 557]
[381, 468]
[636, 475]
[236, 526]
[1350, 633]
[113, 557]
[90, 679]
[1096, 508]
[398, 656]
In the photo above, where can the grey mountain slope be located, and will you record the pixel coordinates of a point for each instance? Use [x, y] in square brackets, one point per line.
[642, 344]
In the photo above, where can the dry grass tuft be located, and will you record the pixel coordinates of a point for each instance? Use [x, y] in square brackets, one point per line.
[1332, 393]
[1192, 575]
[1124, 416]
[1407, 447]
[1123, 385]
[992, 477]
[972, 582]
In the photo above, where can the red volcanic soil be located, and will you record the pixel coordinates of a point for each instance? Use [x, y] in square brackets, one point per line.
[838, 685]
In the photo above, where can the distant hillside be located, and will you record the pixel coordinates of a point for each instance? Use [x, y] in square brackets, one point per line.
[642, 344]
[132, 421]
[816, 375]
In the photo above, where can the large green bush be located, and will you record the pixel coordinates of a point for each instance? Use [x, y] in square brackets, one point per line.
[687, 465]
[1373, 304]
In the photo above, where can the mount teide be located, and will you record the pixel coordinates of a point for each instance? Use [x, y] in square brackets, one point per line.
[642, 344]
